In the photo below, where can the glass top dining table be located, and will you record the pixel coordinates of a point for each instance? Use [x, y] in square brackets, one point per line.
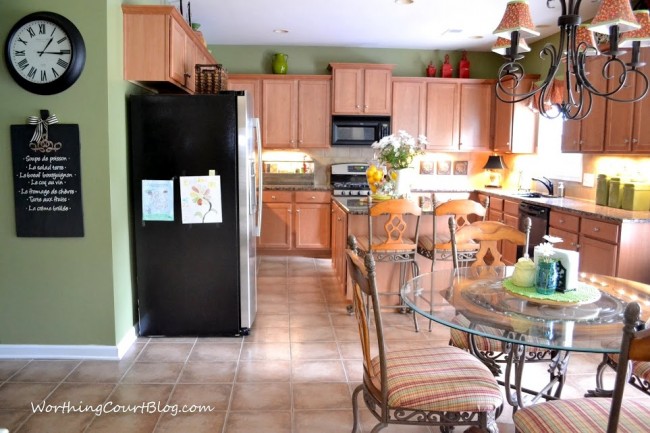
[478, 294]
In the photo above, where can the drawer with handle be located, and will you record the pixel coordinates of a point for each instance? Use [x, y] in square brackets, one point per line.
[313, 197]
[277, 196]
[602, 230]
[564, 221]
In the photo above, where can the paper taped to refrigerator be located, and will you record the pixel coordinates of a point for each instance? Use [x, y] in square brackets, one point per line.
[201, 199]
[157, 200]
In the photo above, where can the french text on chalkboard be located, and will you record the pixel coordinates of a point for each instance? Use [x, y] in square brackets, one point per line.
[47, 182]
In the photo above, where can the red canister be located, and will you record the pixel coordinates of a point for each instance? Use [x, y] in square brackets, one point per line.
[447, 70]
[463, 66]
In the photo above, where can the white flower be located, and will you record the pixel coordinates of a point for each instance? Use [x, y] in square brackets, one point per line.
[546, 250]
[398, 150]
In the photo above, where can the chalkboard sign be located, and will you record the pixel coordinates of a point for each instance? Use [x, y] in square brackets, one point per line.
[47, 182]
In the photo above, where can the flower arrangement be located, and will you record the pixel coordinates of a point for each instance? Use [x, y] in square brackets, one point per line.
[545, 251]
[398, 150]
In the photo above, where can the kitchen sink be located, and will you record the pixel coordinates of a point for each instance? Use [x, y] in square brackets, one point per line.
[533, 195]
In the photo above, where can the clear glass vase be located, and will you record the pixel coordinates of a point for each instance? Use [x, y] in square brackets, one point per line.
[546, 278]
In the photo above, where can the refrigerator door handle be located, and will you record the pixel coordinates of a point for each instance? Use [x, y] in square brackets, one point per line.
[260, 180]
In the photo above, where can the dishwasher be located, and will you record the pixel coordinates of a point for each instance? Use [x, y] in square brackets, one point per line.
[539, 225]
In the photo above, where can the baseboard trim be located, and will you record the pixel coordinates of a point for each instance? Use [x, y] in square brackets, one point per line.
[53, 351]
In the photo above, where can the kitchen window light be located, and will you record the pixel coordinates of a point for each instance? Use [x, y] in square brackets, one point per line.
[556, 165]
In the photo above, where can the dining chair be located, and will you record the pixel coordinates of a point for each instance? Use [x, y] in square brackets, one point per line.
[397, 242]
[639, 374]
[437, 246]
[431, 386]
[598, 415]
[488, 234]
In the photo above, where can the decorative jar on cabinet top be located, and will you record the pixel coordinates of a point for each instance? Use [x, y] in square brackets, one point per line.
[280, 65]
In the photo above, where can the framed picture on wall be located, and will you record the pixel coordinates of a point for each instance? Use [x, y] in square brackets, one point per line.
[444, 167]
[427, 167]
[460, 168]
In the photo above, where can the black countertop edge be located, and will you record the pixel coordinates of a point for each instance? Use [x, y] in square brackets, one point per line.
[297, 188]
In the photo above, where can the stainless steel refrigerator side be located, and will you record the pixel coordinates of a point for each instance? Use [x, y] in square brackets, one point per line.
[246, 159]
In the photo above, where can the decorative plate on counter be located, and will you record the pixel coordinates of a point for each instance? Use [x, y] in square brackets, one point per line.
[583, 294]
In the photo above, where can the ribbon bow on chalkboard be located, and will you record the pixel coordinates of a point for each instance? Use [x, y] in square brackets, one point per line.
[40, 133]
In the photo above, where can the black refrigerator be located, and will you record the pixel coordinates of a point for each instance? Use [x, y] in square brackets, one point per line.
[195, 278]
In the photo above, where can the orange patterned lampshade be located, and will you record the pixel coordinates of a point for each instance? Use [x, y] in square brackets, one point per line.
[614, 13]
[516, 18]
[586, 36]
[642, 35]
[502, 45]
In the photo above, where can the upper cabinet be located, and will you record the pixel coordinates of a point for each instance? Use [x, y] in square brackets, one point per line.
[515, 124]
[160, 49]
[253, 86]
[296, 112]
[454, 114]
[361, 88]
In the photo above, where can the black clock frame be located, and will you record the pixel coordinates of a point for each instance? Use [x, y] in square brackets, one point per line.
[77, 59]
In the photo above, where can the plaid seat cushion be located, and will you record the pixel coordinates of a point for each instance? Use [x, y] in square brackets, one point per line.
[581, 416]
[441, 378]
[641, 370]
[489, 345]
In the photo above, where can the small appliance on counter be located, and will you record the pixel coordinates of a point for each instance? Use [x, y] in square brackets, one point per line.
[349, 179]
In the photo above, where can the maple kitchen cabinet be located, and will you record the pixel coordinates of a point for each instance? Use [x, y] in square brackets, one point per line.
[361, 88]
[339, 239]
[454, 114]
[160, 49]
[252, 85]
[296, 223]
[296, 112]
[515, 124]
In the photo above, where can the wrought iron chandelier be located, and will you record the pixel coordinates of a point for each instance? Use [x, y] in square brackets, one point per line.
[573, 98]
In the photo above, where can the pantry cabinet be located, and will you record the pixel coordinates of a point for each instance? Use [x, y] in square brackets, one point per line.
[296, 112]
[160, 49]
[296, 223]
[361, 88]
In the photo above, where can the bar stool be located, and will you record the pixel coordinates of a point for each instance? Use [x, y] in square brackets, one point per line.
[395, 244]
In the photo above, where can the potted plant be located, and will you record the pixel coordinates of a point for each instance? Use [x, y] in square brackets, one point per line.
[396, 152]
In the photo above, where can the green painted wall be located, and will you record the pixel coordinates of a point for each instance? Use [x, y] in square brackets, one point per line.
[71, 290]
[314, 60]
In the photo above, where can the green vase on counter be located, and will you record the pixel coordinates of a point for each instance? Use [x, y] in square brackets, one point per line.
[280, 65]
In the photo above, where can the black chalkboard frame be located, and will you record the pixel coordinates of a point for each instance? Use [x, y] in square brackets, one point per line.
[47, 223]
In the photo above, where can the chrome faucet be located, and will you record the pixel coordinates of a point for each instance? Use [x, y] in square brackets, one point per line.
[548, 183]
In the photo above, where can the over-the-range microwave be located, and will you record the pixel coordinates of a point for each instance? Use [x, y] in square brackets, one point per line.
[359, 130]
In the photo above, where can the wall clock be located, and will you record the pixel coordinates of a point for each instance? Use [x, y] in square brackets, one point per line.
[45, 53]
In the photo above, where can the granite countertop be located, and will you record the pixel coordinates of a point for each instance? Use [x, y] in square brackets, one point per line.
[297, 188]
[579, 206]
[582, 207]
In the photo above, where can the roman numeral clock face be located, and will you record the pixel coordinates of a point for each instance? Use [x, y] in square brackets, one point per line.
[45, 53]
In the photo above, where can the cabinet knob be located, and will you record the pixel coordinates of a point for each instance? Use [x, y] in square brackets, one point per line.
[561, 220]
[634, 140]
[288, 210]
[577, 247]
[313, 197]
[297, 210]
[626, 141]
[187, 75]
[272, 197]
[596, 229]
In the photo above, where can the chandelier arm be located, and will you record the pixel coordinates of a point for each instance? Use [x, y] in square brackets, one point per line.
[605, 72]
[636, 97]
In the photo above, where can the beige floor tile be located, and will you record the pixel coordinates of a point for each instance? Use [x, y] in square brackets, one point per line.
[272, 308]
[350, 350]
[12, 419]
[346, 333]
[308, 308]
[68, 423]
[317, 371]
[353, 369]
[319, 396]
[165, 352]
[208, 372]
[216, 395]
[269, 335]
[136, 394]
[264, 371]
[307, 297]
[99, 371]
[153, 372]
[10, 367]
[300, 320]
[259, 421]
[316, 333]
[315, 350]
[45, 371]
[270, 320]
[215, 352]
[266, 351]
[20, 396]
[80, 393]
[124, 422]
[192, 422]
[261, 396]
[322, 421]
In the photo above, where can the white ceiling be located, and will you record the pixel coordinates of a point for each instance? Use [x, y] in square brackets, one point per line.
[424, 24]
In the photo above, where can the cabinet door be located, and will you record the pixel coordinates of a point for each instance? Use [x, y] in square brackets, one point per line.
[252, 87]
[177, 52]
[348, 91]
[377, 91]
[620, 115]
[442, 116]
[592, 128]
[190, 62]
[641, 131]
[314, 118]
[525, 126]
[276, 226]
[312, 225]
[476, 105]
[279, 113]
[508, 249]
[503, 112]
[569, 240]
[571, 136]
[597, 256]
[409, 107]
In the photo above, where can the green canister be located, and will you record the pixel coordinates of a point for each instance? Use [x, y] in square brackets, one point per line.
[602, 189]
[615, 198]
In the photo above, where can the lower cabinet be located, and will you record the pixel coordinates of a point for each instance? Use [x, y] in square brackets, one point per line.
[339, 239]
[605, 247]
[295, 222]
